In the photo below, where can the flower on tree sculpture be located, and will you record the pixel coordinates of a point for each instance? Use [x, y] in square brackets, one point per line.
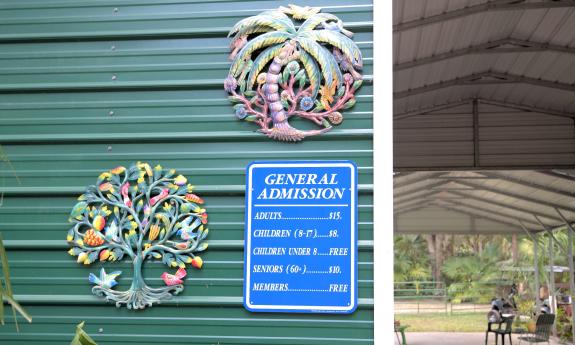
[311, 71]
[140, 213]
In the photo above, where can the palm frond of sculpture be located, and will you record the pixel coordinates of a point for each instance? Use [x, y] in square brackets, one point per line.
[142, 214]
[278, 71]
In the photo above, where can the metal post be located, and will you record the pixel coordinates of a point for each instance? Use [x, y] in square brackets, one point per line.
[476, 156]
[552, 301]
[536, 271]
[535, 264]
[551, 277]
[571, 279]
[571, 270]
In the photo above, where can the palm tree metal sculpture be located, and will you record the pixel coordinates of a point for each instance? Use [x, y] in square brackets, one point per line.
[141, 213]
[300, 63]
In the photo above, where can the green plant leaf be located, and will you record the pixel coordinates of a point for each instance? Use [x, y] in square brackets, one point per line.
[1, 304]
[81, 337]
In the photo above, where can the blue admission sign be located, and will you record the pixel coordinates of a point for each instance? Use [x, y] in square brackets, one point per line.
[301, 237]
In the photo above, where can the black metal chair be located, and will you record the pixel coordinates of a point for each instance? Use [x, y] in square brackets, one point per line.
[542, 330]
[504, 328]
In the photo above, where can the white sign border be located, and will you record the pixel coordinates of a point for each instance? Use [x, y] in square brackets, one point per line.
[247, 266]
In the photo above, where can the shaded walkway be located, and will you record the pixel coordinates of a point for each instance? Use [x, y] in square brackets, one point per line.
[444, 338]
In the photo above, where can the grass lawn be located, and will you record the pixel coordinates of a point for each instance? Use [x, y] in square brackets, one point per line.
[440, 322]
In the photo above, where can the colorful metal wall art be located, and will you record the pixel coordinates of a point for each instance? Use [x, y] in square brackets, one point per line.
[304, 66]
[139, 213]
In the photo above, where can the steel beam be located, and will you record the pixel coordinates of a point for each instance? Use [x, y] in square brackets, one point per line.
[404, 207]
[490, 6]
[415, 207]
[416, 190]
[485, 78]
[430, 109]
[475, 207]
[506, 104]
[569, 165]
[417, 180]
[558, 175]
[529, 184]
[402, 203]
[527, 108]
[570, 232]
[493, 47]
[470, 214]
[503, 205]
[569, 226]
[550, 232]
[517, 196]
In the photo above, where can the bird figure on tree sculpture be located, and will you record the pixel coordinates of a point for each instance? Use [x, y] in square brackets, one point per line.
[318, 58]
[138, 212]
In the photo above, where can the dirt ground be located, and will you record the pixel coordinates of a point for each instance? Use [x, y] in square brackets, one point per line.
[439, 338]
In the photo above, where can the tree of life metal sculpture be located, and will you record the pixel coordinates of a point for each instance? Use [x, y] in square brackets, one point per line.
[140, 213]
[317, 58]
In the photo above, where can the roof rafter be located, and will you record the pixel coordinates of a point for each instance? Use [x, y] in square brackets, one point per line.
[496, 5]
[527, 108]
[505, 104]
[505, 45]
[416, 180]
[484, 78]
[516, 196]
[471, 214]
[402, 203]
[559, 174]
[488, 210]
[524, 183]
[428, 187]
[503, 205]
[432, 108]
[416, 206]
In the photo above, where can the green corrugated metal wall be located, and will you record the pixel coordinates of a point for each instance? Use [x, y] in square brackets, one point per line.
[88, 85]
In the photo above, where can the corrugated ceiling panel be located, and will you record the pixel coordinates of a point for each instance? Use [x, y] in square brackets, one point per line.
[433, 219]
[524, 138]
[64, 119]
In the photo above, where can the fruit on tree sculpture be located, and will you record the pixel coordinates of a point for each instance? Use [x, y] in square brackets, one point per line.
[138, 213]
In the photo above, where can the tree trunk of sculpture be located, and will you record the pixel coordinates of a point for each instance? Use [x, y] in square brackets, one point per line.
[140, 294]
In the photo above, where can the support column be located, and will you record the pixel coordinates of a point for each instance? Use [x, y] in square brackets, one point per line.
[570, 232]
[476, 161]
[536, 271]
[552, 301]
[535, 265]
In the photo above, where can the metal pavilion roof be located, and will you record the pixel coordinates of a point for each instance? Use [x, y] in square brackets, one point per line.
[518, 53]
[483, 202]
[483, 91]
[484, 84]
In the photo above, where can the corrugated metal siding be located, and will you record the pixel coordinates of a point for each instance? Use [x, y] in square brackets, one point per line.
[88, 85]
